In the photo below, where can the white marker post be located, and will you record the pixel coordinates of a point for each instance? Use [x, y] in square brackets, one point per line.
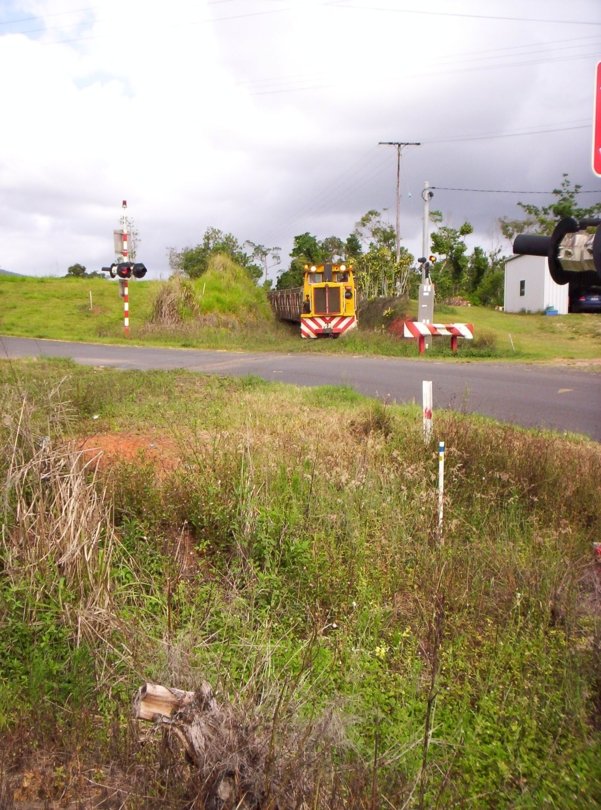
[441, 452]
[427, 409]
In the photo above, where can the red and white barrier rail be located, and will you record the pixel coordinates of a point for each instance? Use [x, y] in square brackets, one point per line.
[419, 330]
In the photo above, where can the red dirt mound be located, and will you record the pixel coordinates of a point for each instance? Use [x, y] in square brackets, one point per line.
[105, 449]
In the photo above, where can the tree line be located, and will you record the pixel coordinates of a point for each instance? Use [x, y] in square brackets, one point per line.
[475, 274]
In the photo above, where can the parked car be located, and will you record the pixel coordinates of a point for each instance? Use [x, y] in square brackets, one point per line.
[587, 300]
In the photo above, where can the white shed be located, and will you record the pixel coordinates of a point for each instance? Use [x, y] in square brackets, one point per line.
[530, 288]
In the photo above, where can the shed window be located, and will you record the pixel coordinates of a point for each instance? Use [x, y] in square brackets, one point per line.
[523, 287]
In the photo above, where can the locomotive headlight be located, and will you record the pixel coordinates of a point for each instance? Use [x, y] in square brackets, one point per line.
[313, 268]
[342, 268]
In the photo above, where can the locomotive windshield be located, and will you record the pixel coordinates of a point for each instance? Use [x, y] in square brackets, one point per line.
[338, 277]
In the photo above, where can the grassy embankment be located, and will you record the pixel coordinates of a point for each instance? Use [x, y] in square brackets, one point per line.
[281, 543]
[235, 315]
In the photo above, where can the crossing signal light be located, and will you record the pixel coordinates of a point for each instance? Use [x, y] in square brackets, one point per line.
[125, 270]
[573, 253]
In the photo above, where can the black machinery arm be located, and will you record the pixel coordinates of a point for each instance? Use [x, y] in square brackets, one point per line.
[573, 254]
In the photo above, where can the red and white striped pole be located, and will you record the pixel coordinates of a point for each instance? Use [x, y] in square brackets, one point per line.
[125, 294]
[125, 258]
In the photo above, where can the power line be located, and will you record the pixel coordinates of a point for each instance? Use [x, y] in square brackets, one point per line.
[507, 134]
[269, 84]
[508, 191]
[40, 16]
[459, 14]
[104, 21]
[525, 61]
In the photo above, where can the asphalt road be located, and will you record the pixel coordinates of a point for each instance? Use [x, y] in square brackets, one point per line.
[529, 395]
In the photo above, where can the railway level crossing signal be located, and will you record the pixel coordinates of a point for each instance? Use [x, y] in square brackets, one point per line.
[123, 268]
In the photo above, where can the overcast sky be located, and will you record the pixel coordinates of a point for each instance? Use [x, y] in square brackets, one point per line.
[263, 117]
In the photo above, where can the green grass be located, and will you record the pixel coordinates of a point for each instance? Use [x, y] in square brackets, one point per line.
[236, 316]
[282, 544]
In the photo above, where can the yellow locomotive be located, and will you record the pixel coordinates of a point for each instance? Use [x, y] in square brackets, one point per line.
[325, 306]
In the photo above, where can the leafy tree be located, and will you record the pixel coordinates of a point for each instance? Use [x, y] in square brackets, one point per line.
[491, 290]
[194, 261]
[263, 256]
[378, 274]
[543, 219]
[333, 248]
[477, 276]
[448, 274]
[79, 271]
[485, 277]
[352, 248]
[76, 271]
[306, 249]
[477, 266]
[373, 231]
[293, 277]
[376, 268]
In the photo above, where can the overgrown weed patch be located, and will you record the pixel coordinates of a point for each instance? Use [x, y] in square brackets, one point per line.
[293, 550]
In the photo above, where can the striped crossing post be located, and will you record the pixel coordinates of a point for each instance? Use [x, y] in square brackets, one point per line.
[125, 258]
[125, 293]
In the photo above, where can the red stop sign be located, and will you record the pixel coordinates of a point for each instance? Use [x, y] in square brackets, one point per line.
[597, 123]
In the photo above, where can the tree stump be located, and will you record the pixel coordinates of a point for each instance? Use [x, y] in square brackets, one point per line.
[204, 729]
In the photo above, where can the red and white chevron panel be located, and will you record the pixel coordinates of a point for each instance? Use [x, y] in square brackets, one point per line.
[317, 326]
[415, 329]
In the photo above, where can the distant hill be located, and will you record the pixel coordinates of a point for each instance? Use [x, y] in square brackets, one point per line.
[8, 273]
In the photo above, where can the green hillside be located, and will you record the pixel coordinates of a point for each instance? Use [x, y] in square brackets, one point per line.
[224, 309]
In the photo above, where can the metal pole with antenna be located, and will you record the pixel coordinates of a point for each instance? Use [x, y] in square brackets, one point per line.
[399, 146]
[425, 304]
[427, 195]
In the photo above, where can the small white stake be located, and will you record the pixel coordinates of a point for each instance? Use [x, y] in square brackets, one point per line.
[441, 452]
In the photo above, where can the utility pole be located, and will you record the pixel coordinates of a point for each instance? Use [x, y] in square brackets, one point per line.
[399, 147]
